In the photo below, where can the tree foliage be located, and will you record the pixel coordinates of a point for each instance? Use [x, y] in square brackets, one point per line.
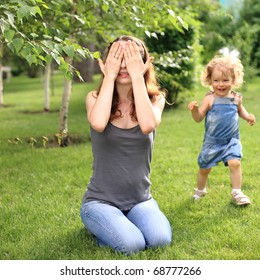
[249, 26]
[175, 54]
[44, 30]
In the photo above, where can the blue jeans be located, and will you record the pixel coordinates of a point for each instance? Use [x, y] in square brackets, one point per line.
[143, 226]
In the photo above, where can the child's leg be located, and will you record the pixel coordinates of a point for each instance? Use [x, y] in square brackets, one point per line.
[235, 173]
[236, 181]
[203, 178]
[201, 183]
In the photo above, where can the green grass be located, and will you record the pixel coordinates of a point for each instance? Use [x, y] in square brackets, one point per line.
[41, 189]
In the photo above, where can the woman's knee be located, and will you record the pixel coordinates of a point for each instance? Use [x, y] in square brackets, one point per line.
[127, 246]
[160, 239]
[131, 246]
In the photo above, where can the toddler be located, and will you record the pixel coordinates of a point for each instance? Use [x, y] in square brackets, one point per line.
[221, 109]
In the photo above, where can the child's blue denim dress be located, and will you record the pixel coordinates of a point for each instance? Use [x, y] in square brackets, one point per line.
[221, 138]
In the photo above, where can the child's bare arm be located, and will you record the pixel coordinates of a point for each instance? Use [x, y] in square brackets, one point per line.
[242, 112]
[198, 113]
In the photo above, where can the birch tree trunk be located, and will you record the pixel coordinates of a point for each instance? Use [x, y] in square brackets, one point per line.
[64, 110]
[47, 77]
[1, 87]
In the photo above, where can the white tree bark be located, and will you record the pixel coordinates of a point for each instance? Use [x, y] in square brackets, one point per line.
[47, 77]
[64, 110]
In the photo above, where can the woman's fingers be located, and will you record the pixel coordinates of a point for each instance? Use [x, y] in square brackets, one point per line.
[101, 65]
[115, 51]
[132, 50]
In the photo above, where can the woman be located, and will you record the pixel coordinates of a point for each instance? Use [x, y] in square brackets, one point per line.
[123, 113]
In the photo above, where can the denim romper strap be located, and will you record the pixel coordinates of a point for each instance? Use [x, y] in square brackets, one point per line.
[222, 120]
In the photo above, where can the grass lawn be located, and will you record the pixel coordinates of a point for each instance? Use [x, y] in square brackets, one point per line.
[41, 188]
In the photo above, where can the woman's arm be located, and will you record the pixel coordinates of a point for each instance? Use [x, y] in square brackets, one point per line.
[99, 106]
[148, 112]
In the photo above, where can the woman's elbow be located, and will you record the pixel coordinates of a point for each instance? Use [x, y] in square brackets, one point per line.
[98, 126]
[148, 128]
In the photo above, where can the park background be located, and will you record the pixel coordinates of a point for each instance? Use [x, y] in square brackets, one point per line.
[45, 149]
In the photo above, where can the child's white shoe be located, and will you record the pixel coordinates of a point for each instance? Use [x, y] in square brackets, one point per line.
[198, 194]
[239, 198]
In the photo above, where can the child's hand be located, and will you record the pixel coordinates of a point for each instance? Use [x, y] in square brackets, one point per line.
[193, 106]
[251, 119]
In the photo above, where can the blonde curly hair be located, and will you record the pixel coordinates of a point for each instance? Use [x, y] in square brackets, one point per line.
[232, 65]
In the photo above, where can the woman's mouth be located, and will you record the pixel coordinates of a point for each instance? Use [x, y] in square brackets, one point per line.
[123, 74]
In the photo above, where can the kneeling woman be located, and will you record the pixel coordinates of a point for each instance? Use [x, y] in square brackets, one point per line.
[123, 113]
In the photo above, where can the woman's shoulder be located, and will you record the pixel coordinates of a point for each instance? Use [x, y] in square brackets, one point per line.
[93, 93]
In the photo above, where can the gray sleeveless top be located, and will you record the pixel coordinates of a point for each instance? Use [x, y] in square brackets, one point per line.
[121, 166]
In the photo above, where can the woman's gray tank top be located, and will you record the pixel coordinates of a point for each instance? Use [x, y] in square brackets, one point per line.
[121, 166]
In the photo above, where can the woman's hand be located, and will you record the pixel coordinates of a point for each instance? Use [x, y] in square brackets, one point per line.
[113, 61]
[134, 62]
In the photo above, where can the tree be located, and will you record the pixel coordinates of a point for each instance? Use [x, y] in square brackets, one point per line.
[250, 19]
[43, 30]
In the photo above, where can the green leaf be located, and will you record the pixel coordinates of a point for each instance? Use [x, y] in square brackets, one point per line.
[81, 52]
[26, 51]
[79, 19]
[4, 25]
[11, 47]
[79, 76]
[9, 34]
[58, 48]
[10, 18]
[96, 55]
[64, 67]
[48, 44]
[34, 35]
[172, 13]
[48, 59]
[57, 39]
[154, 35]
[22, 12]
[47, 37]
[36, 10]
[105, 7]
[174, 22]
[69, 50]
[56, 57]
[147, 33]
[184, 25]
[17, 43]
[69, 75]
[41, 57]
[31, 59]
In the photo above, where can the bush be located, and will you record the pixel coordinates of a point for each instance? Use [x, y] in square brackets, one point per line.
[174, 60]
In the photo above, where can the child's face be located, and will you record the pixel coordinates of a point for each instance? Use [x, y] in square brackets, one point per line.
[221, 81]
